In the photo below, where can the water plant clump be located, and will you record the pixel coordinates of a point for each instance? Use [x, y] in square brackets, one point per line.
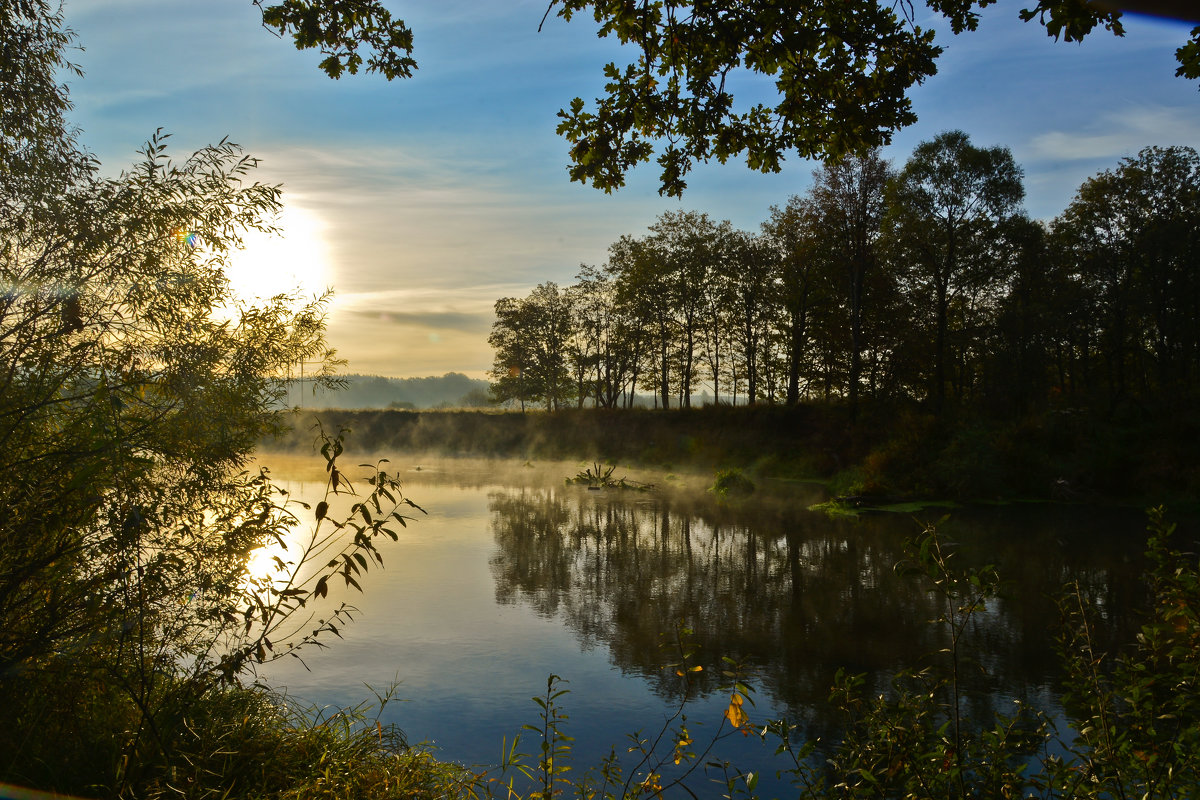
[598, 477]
[731, 481]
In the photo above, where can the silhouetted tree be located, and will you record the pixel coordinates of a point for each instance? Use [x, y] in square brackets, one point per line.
[794, 234]
[945, 217]
[687, 244]
[1131, 240]
[531, 337]
[848, 200]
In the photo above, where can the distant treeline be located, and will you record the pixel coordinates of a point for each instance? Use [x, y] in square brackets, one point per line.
[699, 436]
[883, 449]
[928, 283]
[452, 390]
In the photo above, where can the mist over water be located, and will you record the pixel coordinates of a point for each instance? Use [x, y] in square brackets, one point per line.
[514, 576]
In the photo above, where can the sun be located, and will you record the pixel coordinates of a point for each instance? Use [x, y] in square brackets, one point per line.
[294, 261]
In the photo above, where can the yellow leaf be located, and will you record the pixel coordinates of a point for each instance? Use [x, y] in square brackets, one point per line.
[736, 716]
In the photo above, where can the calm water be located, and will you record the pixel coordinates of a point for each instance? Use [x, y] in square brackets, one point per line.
[513, 576]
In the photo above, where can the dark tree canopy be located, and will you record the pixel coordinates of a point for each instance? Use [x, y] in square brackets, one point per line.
[338, 29]
[842, 71]
[134, 389]
[924, 286]
[946, 224]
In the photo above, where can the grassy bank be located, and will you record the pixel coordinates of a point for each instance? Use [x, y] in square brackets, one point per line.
[234, 741]
[898, 452]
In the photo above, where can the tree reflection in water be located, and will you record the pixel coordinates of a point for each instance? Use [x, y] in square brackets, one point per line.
[795, 595]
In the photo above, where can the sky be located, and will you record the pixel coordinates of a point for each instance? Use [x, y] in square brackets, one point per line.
[423, 201]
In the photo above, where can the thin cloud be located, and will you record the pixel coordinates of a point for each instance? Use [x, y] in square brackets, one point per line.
[1117, 135]
[424, 216]
[462, 321]
[477, 299]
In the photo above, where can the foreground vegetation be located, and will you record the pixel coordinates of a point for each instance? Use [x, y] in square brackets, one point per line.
[1132, 721]
[133, 390]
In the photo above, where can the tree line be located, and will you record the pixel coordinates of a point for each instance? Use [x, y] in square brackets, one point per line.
[925, 283]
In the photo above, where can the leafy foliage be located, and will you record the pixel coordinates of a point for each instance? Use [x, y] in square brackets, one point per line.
[133, 391]
[1128, 242]
[946, 218]
[130, 400]
[530, 336]
[840, 72]
[1137, 715]
[731, 482]
[338, 29]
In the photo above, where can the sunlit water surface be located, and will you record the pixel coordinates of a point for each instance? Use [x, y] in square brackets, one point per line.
[512, 577]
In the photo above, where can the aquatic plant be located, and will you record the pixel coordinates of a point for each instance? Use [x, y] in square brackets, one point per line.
[731, 481]
[597, 477]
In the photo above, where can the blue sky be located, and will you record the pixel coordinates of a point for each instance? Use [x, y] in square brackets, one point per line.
[423, 201]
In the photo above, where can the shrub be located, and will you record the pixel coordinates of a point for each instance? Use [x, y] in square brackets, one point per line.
[731, 482]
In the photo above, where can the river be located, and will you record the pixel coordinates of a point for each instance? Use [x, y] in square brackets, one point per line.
[512, 577]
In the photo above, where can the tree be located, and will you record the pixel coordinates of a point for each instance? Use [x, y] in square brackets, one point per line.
[628, 337]
[686, 243]
[716, 309]
[678, 243]
[749, 273]
[514, 357]
[842, 70]
[848, 198]
[609, 339]
[589, 326]
[945, 215]
[1030, 317]
[339, 29]
[119, 368]
[644, 287]
[125, 368]
[531, 338]
[133, 391]
[1131, 239]
[792, 232]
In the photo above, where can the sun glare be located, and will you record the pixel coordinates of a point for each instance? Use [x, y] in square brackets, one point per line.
[295, 260]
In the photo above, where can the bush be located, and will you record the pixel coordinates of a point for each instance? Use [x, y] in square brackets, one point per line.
[731, 482]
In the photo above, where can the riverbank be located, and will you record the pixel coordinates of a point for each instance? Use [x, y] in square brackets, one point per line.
[883, 452]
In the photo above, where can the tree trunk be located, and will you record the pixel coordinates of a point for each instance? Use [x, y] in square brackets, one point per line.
[939, 349]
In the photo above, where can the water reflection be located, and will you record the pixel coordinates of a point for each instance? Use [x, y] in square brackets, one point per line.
[513, 576]
[796, 595]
